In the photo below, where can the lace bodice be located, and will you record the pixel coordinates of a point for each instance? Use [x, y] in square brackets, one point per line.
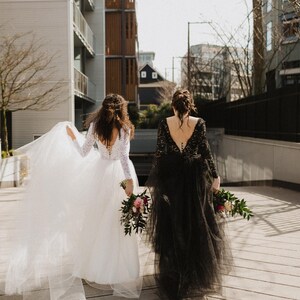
[119, 150]
[197, 144]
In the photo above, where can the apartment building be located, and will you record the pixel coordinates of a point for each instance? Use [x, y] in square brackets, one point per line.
[217, 72]
[281, 25]
[74, 31]
[121, 45]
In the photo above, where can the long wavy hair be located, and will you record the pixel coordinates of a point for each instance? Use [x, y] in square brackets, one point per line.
[183, 103]
[112, 114]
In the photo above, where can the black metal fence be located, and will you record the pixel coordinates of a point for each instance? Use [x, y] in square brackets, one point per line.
[269, 116]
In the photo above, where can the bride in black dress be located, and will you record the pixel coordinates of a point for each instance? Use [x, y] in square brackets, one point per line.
[187, 237]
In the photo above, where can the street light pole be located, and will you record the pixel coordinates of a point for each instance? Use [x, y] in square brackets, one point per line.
[188, 59]
[173, 69]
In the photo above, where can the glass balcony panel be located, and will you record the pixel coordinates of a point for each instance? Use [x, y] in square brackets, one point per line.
[80, 83]
[83, 30]
[84, 87]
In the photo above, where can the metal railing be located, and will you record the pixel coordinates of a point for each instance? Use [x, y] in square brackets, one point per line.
[273, 115]
[82, 29]
[83, 86]
[80, 83]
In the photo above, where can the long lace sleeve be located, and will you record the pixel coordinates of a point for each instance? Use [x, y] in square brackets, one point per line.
[88, 144]
[124, 155]
[161, 140]
[161, 143]
[204, 150]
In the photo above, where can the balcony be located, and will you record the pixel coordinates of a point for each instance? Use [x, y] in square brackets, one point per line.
[83, 87]
[83, 33]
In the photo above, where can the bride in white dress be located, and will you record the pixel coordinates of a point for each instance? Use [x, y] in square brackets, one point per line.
[68, 224]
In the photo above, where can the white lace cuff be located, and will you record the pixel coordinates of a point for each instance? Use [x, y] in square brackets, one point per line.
[88, 144]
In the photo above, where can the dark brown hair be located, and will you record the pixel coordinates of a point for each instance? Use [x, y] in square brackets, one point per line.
[182, 102]
[112, 114]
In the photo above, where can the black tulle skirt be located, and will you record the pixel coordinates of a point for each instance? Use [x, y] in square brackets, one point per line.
[191, 252]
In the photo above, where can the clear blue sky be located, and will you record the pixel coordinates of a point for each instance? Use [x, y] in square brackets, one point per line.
[163, 26]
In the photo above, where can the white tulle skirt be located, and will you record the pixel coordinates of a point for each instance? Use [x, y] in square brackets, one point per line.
[68, 225]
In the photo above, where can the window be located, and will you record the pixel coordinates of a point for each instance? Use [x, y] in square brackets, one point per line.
[269, 5]
[143, 74]
[269, 36]
[290, 28]
[154, 75]
[78, 61]
[129, 26]
[290, 79]
[130, 71]
[291, 64]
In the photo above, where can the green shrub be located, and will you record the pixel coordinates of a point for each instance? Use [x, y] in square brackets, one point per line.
[150, 118]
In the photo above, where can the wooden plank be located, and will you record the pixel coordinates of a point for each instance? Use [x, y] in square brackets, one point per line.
[262, 287]
[266, 249]
[266, 276]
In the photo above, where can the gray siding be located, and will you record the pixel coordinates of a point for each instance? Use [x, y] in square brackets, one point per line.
[52, 22]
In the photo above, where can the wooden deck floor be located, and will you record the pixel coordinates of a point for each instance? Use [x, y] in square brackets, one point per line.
[266, 249]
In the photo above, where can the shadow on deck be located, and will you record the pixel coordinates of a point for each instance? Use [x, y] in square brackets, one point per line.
[266, 249]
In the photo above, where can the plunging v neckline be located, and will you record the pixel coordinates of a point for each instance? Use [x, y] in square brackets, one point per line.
[110, 147]
[181, 150]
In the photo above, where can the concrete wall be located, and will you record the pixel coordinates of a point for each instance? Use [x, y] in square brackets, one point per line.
[250, 159]
[238, 159]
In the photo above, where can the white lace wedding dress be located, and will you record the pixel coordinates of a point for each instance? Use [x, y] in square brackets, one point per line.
[68, 224]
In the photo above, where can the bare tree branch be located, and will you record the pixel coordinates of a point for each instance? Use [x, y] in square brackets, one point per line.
[295, 4]
[26, 76]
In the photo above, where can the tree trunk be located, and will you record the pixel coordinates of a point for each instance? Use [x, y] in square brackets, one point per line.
[258, 47]
[5, 132]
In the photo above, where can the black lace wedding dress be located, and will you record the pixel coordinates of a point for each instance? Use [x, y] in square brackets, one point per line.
[191, 251]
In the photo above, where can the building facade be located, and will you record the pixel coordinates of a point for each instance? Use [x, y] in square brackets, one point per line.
[146, 57]
[153, 87]
[281, 25]
[74, 33]
[217, 72]
[121, 45]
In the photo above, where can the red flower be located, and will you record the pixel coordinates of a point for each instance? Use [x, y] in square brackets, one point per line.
[220, 208]
[145, 201]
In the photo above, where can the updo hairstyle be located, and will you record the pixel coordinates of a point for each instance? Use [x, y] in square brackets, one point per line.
[183, 103]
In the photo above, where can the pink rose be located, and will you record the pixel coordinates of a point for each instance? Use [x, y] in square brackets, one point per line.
[138, 202]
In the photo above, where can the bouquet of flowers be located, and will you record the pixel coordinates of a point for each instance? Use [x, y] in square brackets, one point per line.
[226, 203]
[135, 211]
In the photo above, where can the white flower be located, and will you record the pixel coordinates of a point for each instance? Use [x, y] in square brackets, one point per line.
[228, 205]
[142, 209]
